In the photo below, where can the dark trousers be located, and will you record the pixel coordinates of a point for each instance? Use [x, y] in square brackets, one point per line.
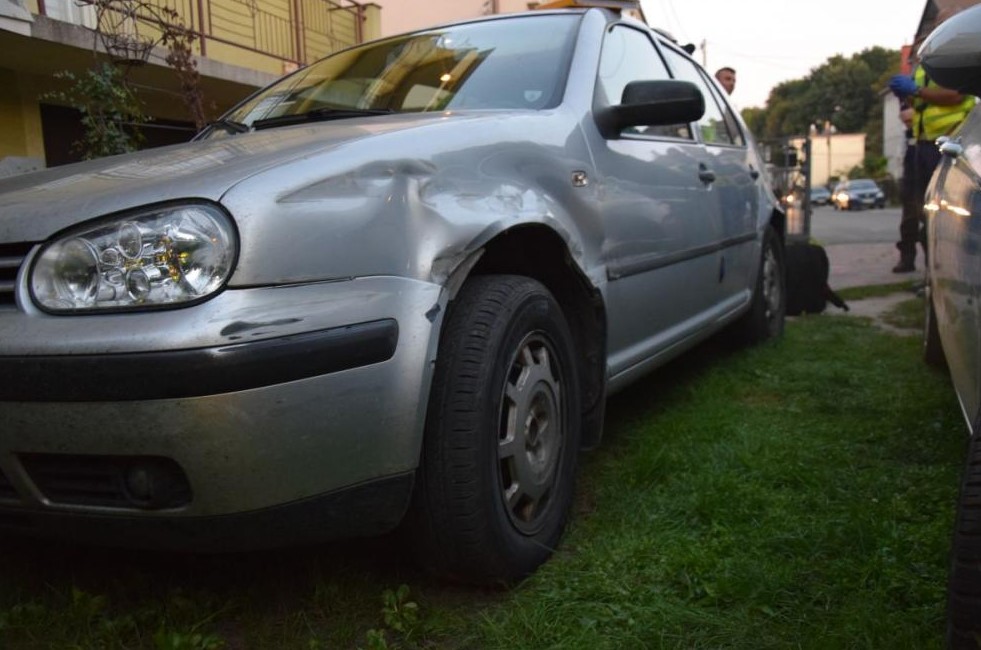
[918, 165]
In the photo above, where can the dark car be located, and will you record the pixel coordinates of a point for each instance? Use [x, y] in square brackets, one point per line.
[820, 195]
[952, 335]
[857, 194]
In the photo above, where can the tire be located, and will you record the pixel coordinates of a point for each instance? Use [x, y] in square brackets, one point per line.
[933, 352]
[964, 585]
[766, 316]
[497, 472]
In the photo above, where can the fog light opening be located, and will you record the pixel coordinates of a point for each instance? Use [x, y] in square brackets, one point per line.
[154, 485]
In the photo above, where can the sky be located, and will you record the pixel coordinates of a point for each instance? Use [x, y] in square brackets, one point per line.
[770, 41]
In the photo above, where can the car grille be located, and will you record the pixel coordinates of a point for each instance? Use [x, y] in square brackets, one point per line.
[11, 258]
[142, 482]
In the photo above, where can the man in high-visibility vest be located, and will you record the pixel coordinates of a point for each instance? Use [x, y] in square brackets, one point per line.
[937, 111]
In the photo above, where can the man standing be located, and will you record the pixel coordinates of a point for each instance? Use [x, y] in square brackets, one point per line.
[726, 77]
[936, 111]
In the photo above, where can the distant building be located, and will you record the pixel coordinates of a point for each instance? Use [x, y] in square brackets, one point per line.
[833, 155]
[241, 45]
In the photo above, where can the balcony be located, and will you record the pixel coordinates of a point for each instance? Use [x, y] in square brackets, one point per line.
[273, 36]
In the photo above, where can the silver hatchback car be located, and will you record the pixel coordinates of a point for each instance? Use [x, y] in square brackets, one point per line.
[396, 286]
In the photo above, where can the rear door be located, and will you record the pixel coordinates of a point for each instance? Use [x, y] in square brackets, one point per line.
[733, 193]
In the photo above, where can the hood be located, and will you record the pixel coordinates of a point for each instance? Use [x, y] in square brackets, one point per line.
[35, 206]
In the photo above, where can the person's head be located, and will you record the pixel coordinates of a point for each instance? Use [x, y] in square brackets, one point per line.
[726, 77]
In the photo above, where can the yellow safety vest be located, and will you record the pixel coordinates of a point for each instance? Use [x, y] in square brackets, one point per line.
[932, 121]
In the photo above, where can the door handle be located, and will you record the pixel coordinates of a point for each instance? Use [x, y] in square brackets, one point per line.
[705, 174]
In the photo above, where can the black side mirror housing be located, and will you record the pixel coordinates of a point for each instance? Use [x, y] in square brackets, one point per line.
[653, 103]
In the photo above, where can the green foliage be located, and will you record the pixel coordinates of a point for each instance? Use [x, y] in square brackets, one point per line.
[110, 110]
[875, 291]
[170, 640]
[401, 617]
[908, 314]
[844, 91]
[874, 167]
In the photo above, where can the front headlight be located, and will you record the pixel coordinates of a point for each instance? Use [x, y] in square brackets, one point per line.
[166, 256]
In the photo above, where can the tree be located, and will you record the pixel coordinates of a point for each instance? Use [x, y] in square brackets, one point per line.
[843, 91]
[111, 111]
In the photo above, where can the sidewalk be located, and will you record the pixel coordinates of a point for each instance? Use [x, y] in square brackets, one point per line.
[860, 265]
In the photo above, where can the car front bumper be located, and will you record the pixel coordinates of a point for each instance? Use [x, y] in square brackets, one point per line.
[263, 404]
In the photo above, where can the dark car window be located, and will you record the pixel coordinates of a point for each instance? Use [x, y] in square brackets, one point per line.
[488, 64]
[629, 55]
[713, 124]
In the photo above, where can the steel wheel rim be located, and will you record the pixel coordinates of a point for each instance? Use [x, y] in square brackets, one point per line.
[531, 441]
[771, 285]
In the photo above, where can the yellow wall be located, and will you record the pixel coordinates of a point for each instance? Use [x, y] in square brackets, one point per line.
[20, 117]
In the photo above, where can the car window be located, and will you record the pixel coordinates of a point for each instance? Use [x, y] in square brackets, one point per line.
[488, 64]
[629, 55]
[713, 124]
[727, 114]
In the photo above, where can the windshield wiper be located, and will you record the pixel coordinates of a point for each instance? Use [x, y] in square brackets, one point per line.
[319, 115]
[231, 126]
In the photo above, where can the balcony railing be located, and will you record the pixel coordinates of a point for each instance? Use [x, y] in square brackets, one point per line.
[296, 32]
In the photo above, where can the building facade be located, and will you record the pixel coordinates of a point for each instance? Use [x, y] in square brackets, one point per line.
[240, 45]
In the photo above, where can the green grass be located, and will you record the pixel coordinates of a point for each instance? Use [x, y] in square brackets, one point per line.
[908, 314]
[876, 290]
[795, 495]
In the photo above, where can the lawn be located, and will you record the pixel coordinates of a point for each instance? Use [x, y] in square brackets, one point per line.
[799, 494]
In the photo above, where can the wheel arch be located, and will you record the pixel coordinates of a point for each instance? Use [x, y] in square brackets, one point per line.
[539, 252]
[779, 222]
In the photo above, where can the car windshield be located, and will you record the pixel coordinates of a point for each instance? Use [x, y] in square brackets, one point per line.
[483, 65]
[862, 185]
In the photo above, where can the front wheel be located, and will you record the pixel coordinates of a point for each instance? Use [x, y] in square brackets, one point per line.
[766, 316]
[499, 456]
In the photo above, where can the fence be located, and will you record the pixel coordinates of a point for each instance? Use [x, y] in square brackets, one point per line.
[789, 169]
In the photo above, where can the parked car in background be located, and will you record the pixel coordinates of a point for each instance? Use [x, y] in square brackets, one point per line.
[859, 193]
[820, 195]
[396, 286]
[952, 334]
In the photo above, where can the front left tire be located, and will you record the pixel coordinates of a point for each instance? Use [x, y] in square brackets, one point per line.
[767, 314]
[499, 457]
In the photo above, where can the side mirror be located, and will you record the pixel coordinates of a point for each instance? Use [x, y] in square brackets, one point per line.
[653, 103]
[951, 55]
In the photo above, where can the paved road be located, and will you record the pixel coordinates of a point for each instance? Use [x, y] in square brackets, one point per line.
[861, 246]
[830, 226]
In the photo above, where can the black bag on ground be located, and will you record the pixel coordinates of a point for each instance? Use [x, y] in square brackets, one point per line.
[807, 280]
